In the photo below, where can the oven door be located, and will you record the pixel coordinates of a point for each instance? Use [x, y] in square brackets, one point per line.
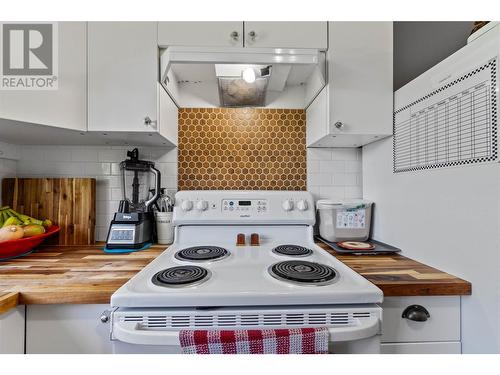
[353, 329]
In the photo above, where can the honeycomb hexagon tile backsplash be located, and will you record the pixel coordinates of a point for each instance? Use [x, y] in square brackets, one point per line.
[242, 149]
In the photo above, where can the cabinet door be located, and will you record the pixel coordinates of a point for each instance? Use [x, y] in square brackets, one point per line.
[122, 78]
[65, 107]
[286, 34]
[317, 118]
[443, 323]
[360, 77]
[167, 116]
[210, 34]
[67, 329]
[12, 331]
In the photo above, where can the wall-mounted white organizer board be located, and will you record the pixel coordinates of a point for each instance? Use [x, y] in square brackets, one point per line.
[449, 117]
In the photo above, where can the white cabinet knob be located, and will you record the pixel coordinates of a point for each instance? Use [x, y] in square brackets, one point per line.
[186, 205]
[287, 205]
[201, 205]
[235, 36]
[302, 205]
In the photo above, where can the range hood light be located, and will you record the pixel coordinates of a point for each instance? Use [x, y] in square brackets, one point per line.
[248, 75]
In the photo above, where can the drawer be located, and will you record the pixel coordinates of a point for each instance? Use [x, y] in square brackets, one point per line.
[443, 323]
[421, 348]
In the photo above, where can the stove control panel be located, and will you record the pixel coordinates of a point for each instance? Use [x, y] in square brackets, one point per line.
[246, 206]
[199, 207]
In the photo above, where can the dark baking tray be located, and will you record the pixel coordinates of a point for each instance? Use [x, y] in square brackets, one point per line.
[380, 248]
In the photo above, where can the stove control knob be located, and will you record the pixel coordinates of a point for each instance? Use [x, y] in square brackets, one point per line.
[302, 205]
[201, 205]
[186, 205]
[287, 205]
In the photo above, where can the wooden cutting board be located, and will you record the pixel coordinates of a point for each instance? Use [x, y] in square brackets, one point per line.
[68, 202]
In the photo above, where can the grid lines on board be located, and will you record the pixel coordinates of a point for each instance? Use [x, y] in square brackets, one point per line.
[440, 130]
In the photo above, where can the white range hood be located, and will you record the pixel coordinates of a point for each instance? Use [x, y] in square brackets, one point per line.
[213, 77]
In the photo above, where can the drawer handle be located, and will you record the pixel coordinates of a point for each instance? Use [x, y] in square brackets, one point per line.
[416, 313]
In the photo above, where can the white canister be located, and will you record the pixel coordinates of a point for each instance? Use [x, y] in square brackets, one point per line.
[344, 220]
[164, 227]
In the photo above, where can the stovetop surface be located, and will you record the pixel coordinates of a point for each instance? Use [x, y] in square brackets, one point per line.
[242, 278]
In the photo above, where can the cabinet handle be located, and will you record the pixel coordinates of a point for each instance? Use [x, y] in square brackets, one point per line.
[252, 34]
[417, 313]
[104, 318]
[149, 122]
[339, 125]
[235, 36]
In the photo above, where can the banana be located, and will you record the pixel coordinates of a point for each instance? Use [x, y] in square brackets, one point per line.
[11, 221]
[5, 216]
[10, 217]
[25, 219]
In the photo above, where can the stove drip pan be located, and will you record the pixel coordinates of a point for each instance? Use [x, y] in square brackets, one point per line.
[303, 273]
[292, 250]
[202, 253]
[181, 276]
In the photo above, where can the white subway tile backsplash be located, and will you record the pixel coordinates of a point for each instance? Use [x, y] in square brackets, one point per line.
[313, 166]
[99, 162]
[163, 155]
[353, 166]
[167, 169]
[115, 169]
[33, 167]
[319, 154]
[319, 179]
[96, 169]
[84, 154]
[169, 182]
[116, 194]
[114, 155]
[57, 154]
[334, 173]
[353, 192]
[332, 166]
[345, 154]
[332, 192]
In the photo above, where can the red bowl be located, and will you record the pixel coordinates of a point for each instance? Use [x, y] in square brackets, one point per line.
[16, 248]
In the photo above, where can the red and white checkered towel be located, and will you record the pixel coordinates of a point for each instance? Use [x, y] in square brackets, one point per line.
[266, 341]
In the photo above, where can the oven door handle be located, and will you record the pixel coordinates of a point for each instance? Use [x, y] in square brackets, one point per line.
[132, 333]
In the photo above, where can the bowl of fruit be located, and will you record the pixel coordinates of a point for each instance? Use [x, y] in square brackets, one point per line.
[21, 234]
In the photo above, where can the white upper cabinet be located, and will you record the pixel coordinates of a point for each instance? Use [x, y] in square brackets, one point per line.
[122, 76]
[359, 102]
[66, 106]
[216, 34]
[168, 116]
[286, 35]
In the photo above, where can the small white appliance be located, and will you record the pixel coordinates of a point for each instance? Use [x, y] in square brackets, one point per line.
[244, 260]
[344, 220]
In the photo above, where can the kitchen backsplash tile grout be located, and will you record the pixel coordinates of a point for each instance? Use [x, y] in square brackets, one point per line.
[99, 162]
[331, 173]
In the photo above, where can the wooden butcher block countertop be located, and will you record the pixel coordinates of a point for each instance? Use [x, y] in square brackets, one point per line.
[84, 274]
[400, 276]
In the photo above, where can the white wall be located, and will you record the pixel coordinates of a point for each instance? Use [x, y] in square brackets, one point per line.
[100, 162]
[334, 173]
[448, 218]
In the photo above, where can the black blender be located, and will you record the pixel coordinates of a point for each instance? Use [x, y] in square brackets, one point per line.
[132, 228]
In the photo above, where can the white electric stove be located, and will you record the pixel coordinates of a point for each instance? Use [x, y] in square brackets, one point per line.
[244, 260]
